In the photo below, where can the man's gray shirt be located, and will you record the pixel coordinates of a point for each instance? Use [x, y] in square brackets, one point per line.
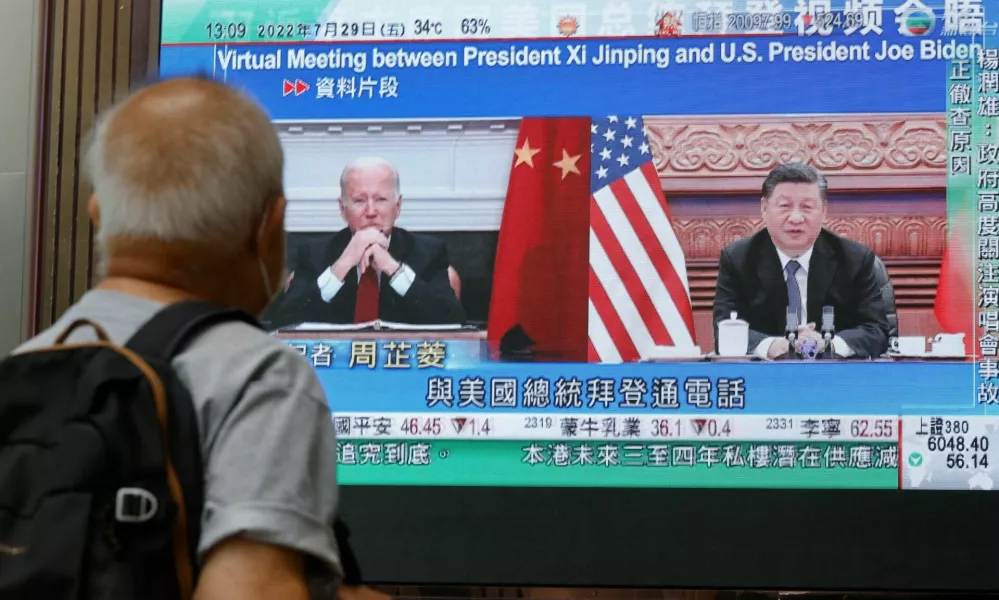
[267, 439]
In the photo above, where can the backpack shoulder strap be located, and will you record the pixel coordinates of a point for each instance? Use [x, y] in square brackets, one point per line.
[169, 331]
[348, 560]
[162, 338]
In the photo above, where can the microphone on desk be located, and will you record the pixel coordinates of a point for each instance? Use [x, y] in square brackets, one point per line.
[828, 329]
[791, 332]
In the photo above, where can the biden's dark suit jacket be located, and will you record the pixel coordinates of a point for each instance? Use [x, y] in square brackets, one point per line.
[429, 300]
[840, 274]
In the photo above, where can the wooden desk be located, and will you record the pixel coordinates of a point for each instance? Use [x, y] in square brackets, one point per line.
[490, 354]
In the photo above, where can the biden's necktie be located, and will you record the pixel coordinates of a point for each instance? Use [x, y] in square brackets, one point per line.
[366, 309]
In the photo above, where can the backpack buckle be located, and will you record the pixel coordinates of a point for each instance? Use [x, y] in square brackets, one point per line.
[135, 505]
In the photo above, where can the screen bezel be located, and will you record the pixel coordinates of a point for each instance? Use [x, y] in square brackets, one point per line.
[765, 539]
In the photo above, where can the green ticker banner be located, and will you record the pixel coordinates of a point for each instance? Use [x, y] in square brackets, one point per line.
[520, 463]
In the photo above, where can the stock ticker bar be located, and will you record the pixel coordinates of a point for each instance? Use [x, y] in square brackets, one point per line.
[613, 463]
[444, 414]
[596, 426]
[381, 20]
[744, 451]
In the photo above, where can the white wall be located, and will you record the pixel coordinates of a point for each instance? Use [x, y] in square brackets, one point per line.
[453, 173]
[20, 55]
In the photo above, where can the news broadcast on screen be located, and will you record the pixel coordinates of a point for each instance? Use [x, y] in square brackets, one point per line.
[634, 243]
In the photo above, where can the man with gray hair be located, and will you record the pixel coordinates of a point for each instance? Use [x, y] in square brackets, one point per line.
[189, 204]
[794, 266]
[372, 270]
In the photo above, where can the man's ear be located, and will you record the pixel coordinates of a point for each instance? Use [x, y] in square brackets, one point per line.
[275, 214]
[94, 211]
[271, 240]
[398, 206]
[763, 206]
[271, 230]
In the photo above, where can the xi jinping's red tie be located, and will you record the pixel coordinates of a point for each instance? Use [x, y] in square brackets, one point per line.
[366, 309]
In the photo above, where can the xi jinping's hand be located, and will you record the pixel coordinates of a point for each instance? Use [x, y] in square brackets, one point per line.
[807, 332]
[777, 348]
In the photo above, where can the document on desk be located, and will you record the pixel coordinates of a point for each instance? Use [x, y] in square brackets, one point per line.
[372, 325]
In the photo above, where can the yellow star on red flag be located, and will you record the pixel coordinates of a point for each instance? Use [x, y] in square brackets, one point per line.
[525, 154]
[568, 163]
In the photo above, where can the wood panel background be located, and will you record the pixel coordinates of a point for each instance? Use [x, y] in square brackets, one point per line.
[95, 52]
[886, 179]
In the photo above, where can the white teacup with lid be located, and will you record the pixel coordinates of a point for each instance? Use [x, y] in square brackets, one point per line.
[947, 344]
[733, 336]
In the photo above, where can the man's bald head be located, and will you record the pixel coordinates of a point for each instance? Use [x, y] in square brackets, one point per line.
[185, 160]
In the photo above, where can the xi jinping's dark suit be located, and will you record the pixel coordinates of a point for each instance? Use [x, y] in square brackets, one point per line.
[751, 282]
[429, 300]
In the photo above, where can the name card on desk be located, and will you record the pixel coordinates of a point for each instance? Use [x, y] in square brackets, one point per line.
[667, 353]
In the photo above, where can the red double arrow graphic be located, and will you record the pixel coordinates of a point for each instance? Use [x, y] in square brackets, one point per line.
[298, 87]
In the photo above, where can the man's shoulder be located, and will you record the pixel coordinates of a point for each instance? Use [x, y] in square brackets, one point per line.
[118, 315]
[230, 355]
[844, 247]
[743, 247]
[214, 365]
[241, 336]
[333, 241]
[422, 243]
[43, 339]
[417, 238]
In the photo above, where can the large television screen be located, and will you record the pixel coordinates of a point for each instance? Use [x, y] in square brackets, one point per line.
[639, 261]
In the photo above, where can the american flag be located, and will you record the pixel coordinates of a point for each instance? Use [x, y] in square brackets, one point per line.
[639, 297]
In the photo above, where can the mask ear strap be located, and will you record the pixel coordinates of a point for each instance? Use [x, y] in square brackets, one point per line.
[268, 285]
[262, 228]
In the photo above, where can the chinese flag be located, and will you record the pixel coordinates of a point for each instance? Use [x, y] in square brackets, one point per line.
[541, 277]
[955, 302]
